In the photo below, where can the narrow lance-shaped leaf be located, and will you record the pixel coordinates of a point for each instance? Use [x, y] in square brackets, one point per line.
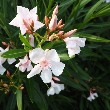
[19, 99]
[24, 40]
[14, 53]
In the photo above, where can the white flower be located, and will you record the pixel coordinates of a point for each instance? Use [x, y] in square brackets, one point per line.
[2, 69]
[2, 60]
[24, 64]
[55, 88]
[73, 45]
[26, 20]
[47, 62]
[107, 1]
[92, 96]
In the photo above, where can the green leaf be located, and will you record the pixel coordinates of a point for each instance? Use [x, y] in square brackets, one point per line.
[14, 53]
[92, 37]
[19, 99]
[70, 82]
[24, 40]
[36, 95]
[89, 15]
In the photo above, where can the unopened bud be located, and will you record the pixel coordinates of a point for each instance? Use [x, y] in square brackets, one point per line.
[5, 44]
[21, 88]
[56, 79]
[8, 74]
[5, 85]
[46, 20]
[61, 26]
[51, 38]
[60, 22]
[53, 23]
[60, 33]
[68, 34]
[55, 11]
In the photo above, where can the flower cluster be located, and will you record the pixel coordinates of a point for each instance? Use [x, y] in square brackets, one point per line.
[45, 62]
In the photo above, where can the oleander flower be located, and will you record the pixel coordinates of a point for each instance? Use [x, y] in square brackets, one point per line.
[92, 96]
[26, 20]
[47, 62]
[24, 64]
[73, 45]
[2, 60]
[55, 88]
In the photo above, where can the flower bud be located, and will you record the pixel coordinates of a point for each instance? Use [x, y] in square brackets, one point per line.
[56, 79]
[55, 11]
[59, 23]
[46, 20]
[8, 74]
[5, 85]
[69, 33]
[53, 23]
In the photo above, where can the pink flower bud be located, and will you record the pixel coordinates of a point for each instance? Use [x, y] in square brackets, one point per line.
[60, 22]
[46, 20]
[69, 33]
[53, 23]
[55, 11]
[56, 79]
[60, 33]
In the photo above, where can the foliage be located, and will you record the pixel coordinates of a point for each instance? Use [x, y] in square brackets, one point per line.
[88, 70]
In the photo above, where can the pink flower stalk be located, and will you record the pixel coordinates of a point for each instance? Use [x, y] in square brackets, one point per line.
[26, 20]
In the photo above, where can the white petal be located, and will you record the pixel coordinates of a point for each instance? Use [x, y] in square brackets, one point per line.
[46, 75]
[57, 68]
[89, 98]
[2, 60]
[22, 68]
[58, 88]
[2, 69]
[95, 94]
[37, 25]
[73, 51]
[50, 91]
[15, 21]
[22, 11]
[11, 60]
[34, 10]
[17, 65]
[30, 67]
[36, 55]
[23, 29]
[81, 42]
[52, 55]
[34, 71]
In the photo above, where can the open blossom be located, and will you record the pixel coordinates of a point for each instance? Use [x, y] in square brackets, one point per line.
[26, 20]
[47, 62]
[24, 64]
[2, 60]
[55, 88]
[73, 45]
[92, 96]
